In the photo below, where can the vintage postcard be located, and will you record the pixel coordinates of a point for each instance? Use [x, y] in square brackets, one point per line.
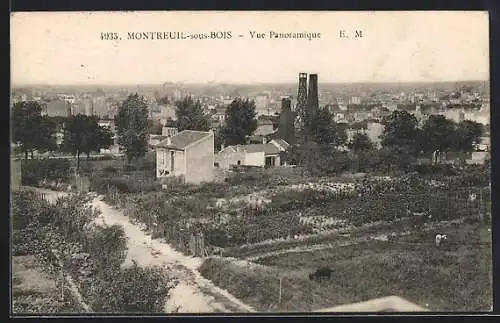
[241, 162]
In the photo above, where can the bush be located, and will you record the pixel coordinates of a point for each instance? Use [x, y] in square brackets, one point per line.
[110, 170]
[123, 184]
[132, 290]
[110, 239]
[445, 170]
[34, 171]
[91, 254]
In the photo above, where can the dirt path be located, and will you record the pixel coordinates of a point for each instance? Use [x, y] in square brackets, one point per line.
[193, 293]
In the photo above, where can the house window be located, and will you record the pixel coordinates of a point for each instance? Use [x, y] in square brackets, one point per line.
[172, 161]
[162, 157]
[239, 162]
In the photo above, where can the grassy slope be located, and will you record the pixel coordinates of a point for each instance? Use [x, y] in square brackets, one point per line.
[454, 278]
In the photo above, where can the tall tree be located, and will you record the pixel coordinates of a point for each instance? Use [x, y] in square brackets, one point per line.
[31, 130]
[155, 127]
[240, 121]
[46, 139]
[77, 135]
[190, 115]
[360, 142]
[132, 126]
[467, 134]
[326, 131]
[99, 138]
[437, 136]
[163, 100]
[400, 130]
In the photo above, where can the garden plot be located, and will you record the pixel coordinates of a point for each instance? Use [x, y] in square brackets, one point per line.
[322, 223]
[34, 291]
[456, 277]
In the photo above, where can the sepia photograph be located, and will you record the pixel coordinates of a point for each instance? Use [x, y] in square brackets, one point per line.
[172, 162]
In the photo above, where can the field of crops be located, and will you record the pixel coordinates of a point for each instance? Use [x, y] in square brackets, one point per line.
[456, 277]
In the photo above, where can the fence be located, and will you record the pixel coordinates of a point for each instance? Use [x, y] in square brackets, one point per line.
[82, 184]
[190, 243]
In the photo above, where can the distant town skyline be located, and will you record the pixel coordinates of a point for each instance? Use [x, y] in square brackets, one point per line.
[65, 48]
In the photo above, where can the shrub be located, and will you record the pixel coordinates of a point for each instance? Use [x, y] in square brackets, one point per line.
[133, 290]
[110, 170]
[123, 184]
[107, 245]
[28, 207]
[34, 171]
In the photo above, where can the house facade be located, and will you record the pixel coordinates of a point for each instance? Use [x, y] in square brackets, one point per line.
[189, 154]
[259, 155]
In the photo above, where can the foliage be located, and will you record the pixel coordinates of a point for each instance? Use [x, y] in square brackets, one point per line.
[92, 255]
[360, 142]
[30, 129]
[132, 126]
[240, 121]
[82, 134]
[218, 138]
[326, 131]
[155, 127]
[133, 290]
[400, 130]
[109, 238]
[123, 184]
[437, 134]
[468, 133]
[36, 171]
[326, 160]
[191, 116]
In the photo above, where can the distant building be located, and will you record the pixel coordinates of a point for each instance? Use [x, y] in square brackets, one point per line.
[262, 105]
[168, 112]
[342, 104]
[355, 100]
[85, 106]
[58, 108]
[478, 158]
[374, 130]
[189, 154]
[264, 127]
[67, 98]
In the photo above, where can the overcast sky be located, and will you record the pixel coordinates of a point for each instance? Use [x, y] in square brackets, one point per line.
[65, 48]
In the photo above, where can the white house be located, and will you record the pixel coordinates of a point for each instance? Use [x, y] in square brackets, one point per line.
[189, 154]
[260, 155]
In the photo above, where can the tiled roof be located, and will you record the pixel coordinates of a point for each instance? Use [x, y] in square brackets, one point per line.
[282, 143]
[183, 139]
[268, 149]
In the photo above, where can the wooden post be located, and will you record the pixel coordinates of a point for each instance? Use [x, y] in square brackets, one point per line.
[279, 300]
[62, 284]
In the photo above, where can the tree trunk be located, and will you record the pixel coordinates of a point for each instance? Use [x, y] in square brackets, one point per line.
[77, 161]
[26, 155]
[32, 154]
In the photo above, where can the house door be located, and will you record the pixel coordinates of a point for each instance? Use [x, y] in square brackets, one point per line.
[270, 161]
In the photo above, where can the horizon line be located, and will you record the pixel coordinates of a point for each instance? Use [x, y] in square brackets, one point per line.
[12, 85]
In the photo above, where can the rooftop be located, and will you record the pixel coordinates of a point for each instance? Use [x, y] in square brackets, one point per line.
[183, 139]
[268, 149]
